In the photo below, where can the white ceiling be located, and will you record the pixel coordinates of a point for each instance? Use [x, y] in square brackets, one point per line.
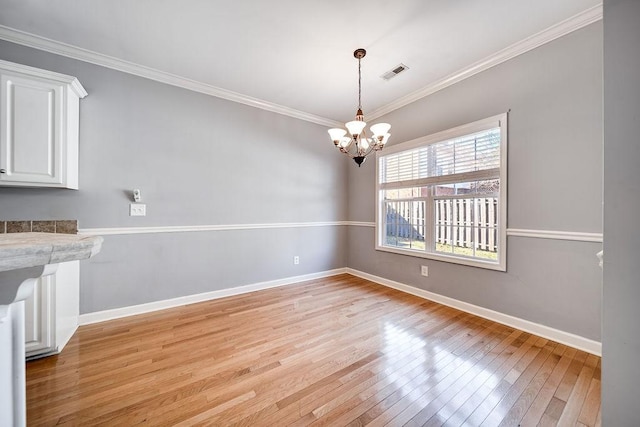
[296, 53]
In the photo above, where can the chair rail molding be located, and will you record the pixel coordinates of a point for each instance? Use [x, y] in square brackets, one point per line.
[577, 236]
[211, 227]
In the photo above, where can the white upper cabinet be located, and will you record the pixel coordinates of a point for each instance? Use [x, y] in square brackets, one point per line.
[39, 121]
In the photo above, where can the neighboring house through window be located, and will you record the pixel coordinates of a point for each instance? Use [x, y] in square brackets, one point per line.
[444, 196]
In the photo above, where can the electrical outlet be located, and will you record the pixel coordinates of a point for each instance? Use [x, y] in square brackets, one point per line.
[424, 270]
[296, 260]
[137, 209]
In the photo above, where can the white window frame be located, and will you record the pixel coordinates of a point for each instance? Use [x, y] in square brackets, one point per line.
[498, 121]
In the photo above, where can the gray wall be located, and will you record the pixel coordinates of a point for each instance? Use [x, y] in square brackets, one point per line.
[555, 171]
[202, 160]
[621, 338]
[198, 160]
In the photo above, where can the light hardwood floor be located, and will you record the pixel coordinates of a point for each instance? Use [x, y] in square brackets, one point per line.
[336, 351]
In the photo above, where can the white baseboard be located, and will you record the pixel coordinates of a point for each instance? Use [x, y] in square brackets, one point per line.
[117, 313]
[572, 340]
[567, 338]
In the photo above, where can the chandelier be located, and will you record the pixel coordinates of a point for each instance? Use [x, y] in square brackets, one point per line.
[356, 144]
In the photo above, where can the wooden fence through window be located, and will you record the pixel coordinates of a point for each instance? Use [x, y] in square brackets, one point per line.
[467, 222]
[458, 222]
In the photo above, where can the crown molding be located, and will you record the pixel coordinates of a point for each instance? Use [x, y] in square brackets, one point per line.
[552, 33]
[70, 51]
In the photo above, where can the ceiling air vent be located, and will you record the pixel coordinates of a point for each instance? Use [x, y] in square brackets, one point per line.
[394, 72]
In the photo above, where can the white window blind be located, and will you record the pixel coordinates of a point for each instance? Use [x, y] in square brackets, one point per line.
[471, 153]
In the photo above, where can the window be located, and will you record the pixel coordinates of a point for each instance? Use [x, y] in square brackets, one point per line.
[444, 196]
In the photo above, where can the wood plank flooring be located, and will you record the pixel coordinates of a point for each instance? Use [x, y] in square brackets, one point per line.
[337, 351]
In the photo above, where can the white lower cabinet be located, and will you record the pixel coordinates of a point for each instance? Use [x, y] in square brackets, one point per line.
[51, 313]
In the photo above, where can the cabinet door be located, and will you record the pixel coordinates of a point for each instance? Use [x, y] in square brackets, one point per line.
[32, 131]
[39, 328]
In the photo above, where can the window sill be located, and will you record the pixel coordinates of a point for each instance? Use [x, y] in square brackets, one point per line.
[444, 258]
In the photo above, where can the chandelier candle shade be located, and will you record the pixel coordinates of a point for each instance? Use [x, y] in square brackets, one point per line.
[354, 141]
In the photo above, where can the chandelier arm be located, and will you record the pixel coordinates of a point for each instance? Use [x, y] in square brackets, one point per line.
[370, 150]
[366, 153]
[353, 150]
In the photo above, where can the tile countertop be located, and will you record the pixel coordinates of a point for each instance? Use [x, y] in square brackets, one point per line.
[22, 250]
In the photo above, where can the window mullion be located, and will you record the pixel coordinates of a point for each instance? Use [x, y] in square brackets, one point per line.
[429, 225]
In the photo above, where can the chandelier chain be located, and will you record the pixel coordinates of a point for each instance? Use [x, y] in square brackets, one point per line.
[359, 85]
